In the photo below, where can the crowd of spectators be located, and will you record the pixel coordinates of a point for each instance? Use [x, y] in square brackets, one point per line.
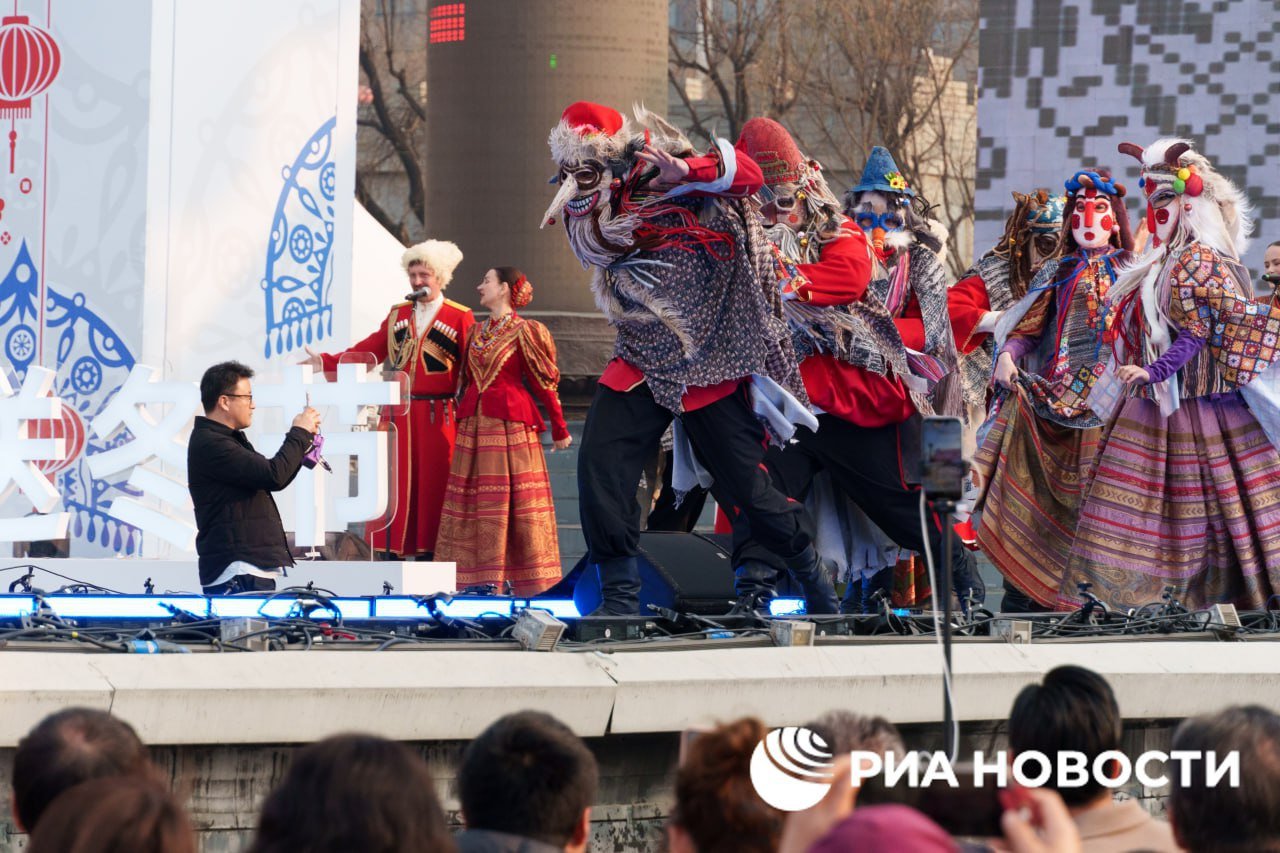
[83, 782]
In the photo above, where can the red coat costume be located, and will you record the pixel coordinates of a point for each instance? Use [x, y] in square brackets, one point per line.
[854, 394]
[967, 303]
[425, 435]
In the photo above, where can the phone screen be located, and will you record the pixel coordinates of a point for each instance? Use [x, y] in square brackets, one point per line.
[942, 466]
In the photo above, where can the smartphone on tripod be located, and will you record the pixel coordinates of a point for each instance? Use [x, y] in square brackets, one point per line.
[942, 463]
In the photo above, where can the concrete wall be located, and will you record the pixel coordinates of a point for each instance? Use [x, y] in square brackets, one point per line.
[224, 726]
[227, 784]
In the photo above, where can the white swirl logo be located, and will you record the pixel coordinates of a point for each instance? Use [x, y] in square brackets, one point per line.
[791, 768]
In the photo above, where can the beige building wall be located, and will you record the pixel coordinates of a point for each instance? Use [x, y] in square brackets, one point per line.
[493, 98]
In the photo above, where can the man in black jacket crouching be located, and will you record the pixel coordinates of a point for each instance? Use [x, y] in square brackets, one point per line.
[240, 539]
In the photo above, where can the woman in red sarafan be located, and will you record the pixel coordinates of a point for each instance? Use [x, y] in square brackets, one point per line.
[498, 522]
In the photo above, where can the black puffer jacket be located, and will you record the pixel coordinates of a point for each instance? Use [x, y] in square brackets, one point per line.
[231, 486]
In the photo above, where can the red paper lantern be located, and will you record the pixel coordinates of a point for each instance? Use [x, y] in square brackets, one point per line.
[29, 62]
[70, 428]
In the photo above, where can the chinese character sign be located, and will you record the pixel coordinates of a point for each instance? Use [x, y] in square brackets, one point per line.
[353, 389]
[155, 439]
[19, 453]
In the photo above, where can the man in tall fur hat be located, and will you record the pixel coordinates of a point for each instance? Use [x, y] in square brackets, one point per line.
[854, 365]
[685, 275]
[424, 336]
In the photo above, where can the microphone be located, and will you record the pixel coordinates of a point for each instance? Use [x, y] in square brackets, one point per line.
[1271, 278]
[312, 458]
[415, 295]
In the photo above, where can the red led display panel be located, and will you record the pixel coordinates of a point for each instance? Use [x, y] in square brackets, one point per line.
[447, 22]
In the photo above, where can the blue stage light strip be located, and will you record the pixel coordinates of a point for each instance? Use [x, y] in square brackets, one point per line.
[398, 607]
[238, 606]
[125, 606]
[16, 606]
[252, 607]
[559, 608]
[786, 607]
[403, 607]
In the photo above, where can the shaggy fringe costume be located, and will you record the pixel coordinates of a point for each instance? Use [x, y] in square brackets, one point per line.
[687, 277]
[854, 364]
[995, 283]
[1185, 490]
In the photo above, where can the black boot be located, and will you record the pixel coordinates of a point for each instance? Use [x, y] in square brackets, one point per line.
[755, 582]
[619, 587]
[1017, 601]
[881, 581]
[966, 582]
[851, 603]
[815, 580]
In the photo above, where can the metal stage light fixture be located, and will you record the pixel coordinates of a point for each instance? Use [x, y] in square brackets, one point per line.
[537, 630]
[789, 632]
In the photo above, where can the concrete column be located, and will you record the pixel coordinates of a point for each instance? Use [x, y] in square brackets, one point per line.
[495, 89]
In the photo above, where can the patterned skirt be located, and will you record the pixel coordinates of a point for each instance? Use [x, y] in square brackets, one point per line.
[1032, 470]
[499, 522]
[1191, 502]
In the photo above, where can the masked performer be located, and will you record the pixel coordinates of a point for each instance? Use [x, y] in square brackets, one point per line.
[854, 364]
[992, 285]
[499, 520]
[1186, 489]
[685, 275]
[425, 337]
[1034, 456]
[989, 288]
[909, 278]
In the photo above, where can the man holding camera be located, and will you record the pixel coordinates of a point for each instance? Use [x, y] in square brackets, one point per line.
[240, 538]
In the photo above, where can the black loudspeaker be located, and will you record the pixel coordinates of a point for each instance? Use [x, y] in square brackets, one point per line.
[687, 572]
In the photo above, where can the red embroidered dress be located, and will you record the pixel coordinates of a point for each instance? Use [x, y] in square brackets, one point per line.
[498, 522]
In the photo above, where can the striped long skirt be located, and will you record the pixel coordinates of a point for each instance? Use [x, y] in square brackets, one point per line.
[1191, 501]
[1032, 472]
[499, 522]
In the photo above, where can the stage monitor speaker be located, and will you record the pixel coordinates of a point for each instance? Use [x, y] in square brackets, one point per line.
[687, 572]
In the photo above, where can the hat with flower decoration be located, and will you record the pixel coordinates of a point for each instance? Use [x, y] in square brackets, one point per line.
[881, 174]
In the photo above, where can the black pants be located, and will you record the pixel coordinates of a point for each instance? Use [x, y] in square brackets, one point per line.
[665, 515]
[242, 583]
[864, 464]
[621, 431]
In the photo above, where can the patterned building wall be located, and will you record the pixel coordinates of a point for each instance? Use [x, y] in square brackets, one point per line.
[1062, 82]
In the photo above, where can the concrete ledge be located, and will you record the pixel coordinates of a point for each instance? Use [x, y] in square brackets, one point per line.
[294, 697]
[903, 682]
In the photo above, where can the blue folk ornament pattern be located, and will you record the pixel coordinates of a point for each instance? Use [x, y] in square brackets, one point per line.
[91, 362]
[298, 281]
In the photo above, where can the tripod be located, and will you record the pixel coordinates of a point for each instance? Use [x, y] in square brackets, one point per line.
[944, 507]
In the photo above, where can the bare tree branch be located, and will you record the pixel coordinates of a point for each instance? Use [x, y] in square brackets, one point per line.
[392, 122]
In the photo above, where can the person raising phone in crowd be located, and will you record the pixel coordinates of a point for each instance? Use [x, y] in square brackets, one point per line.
[240, 538]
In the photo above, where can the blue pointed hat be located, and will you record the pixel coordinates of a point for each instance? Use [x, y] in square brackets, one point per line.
[881, 175]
